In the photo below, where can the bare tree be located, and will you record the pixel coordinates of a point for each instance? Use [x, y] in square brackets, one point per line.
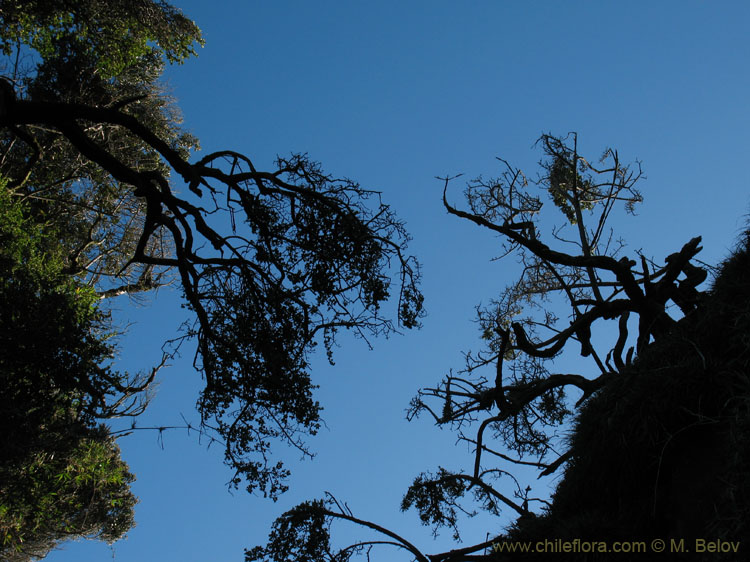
[587, 275]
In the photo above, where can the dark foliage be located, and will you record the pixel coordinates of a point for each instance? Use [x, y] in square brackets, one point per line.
[300, 535]
[661, 451]
[61, 475]
[659, 441]
[271, 264]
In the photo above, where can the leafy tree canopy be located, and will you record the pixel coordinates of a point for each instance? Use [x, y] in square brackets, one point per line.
[99, 216]
[61, 475]
[270, 263]
[113, 33]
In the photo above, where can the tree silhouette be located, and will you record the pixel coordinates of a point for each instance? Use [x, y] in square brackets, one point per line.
[303, 256]
[271, 264]
[642, 394]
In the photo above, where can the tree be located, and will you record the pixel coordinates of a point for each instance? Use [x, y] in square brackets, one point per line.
[101, 216]
[641, 388]
[61, 475]
[114, 34]
[271, 264]
[310, 262]
[73, 484]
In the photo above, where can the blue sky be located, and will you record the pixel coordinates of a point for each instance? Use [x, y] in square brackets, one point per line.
[392, 94]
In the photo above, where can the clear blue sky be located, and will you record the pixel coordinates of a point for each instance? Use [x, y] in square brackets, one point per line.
[393, 94]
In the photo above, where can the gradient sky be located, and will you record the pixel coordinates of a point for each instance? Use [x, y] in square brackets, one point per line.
[392, 94]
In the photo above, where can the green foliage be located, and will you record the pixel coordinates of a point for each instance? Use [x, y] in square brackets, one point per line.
[23, 244]
[71, 483]
[114, 33]
[54, 336]
[565, 182]
[99, 218]
[66, 228]
[60, 474]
